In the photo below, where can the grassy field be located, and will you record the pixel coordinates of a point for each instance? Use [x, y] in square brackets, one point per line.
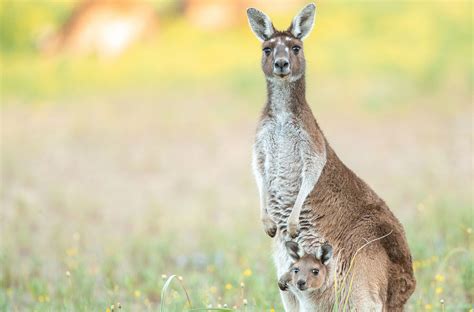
[116, 175]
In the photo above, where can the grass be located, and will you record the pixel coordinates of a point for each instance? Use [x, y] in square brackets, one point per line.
[118, 175]
[94, 214]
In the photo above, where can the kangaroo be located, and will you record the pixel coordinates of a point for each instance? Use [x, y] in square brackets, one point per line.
[308, 272]
[307, 193]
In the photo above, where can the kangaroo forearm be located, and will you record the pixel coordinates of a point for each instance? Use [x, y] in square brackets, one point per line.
[263, 196]
[307, 186]
[257, 166]
[263, 202]
[312, 168]
[311, 174]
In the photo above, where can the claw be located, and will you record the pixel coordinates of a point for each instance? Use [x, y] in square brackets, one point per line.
[271, 232]
[269, 227]
[293, 229]
[283, 285]
[284, 280]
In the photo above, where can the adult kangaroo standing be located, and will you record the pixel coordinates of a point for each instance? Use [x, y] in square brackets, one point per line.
[308, 194]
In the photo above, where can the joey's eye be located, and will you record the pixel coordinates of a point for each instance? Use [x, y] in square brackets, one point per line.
[315, 271]
[267, 51]
[295, 270]
[296, 49]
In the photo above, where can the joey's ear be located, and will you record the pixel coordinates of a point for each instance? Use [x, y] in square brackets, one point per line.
[293, 250]
[260, 23]
[324, 253]
[303, 22]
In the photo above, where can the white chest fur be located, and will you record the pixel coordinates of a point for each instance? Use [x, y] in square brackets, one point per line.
[288, 153]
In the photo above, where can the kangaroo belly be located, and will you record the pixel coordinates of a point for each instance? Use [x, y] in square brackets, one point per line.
[283, 167]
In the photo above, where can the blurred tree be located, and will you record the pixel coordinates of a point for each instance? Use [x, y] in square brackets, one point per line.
[221, 14]
[214, 14]
[104, 27]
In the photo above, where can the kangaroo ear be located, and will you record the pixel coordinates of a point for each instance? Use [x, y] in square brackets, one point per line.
[303, 22]
[260, 23]
[293, 250]
[324, 253]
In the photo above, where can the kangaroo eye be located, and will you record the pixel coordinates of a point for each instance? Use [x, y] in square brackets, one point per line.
[315, 271]
[267, 51]
[295, 270]
[296, 49]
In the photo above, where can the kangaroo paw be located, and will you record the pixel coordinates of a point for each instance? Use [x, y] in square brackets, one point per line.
[293, 229]
[269, 226]
[282, 285]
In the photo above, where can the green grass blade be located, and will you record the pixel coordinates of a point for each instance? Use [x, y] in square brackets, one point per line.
[165, 288]
[210, 309]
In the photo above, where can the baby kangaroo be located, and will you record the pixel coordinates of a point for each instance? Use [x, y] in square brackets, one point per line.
[309, 271]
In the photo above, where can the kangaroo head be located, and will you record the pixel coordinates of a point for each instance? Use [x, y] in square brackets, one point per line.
[282, 56]
[309, 271]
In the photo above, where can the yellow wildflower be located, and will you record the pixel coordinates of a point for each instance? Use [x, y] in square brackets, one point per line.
[248, 272]
[71, 252]
[439, 278]
[137, 293]
[147, 302]
[428, 307]
[438, 290]
[228, 286]
[213, 290]
[40, 298]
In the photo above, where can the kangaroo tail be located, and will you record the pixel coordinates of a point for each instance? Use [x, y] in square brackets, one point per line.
[402, 283]
[401, 286]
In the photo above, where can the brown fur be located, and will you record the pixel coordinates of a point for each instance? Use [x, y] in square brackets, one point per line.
[308, 272]
[341, 208]
[348, 213]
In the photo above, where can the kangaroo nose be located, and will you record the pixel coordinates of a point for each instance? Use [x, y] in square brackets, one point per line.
[301, 283]
[281, 64]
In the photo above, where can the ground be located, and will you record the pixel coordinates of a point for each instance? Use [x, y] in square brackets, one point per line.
[102, 198]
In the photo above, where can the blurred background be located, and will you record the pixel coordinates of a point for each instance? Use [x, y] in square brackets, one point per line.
[126, 133]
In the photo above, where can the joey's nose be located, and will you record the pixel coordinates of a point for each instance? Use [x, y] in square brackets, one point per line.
[301, 284]
[281, 64]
